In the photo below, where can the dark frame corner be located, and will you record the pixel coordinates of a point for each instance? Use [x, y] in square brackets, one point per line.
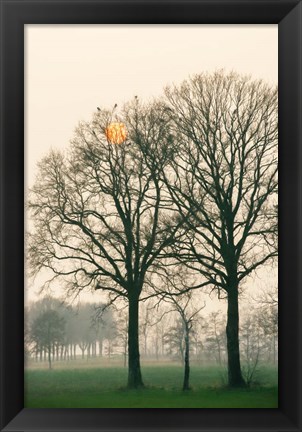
[17, 13]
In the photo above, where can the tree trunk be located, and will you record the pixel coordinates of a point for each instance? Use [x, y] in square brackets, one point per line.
[219, 352]
[186, 385]
[49, 356]
[134, 369]
[100, 347]
[61, 352]
[83, 350]
[235, 378]
[125, 357]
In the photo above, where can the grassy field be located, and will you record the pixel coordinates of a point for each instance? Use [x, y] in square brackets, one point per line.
[85, 386]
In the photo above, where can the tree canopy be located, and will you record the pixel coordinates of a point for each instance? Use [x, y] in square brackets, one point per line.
[192, 180]
[225, 175]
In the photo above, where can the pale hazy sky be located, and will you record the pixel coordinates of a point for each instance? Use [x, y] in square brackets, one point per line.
[72, 69]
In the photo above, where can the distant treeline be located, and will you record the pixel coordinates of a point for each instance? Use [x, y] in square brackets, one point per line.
[55, 331]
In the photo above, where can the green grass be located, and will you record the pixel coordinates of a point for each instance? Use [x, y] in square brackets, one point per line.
[102, 387]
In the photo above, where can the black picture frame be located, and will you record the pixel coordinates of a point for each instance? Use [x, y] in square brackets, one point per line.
[16, 14]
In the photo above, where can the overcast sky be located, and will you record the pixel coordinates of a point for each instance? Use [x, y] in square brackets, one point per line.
[72, 69]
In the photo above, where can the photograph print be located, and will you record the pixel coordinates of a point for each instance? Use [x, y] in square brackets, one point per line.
[151, 234]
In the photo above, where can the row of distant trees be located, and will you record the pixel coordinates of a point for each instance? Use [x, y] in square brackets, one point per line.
[187, 202]
[56, 331]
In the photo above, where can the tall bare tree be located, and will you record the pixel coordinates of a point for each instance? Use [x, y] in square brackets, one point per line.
[225, 129]
[100, 211]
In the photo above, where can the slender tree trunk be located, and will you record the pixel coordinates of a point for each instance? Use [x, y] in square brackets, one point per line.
[162, 342]
[49, 356]
[232, 331]
[100, 347]
[134, 369]
[219, 353]
[83, 351]
[61, 352]
[186, 385]
[125, 357]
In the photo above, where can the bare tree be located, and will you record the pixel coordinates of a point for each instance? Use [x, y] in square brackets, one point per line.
[47, 330]
[251, 346]
[122, 326]
[216, 336]
[178, 295]
[100, 212]
[267, 304]
[104, 325]
[161, 321]
[144, 326]
[173, 339]
[224, 172]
